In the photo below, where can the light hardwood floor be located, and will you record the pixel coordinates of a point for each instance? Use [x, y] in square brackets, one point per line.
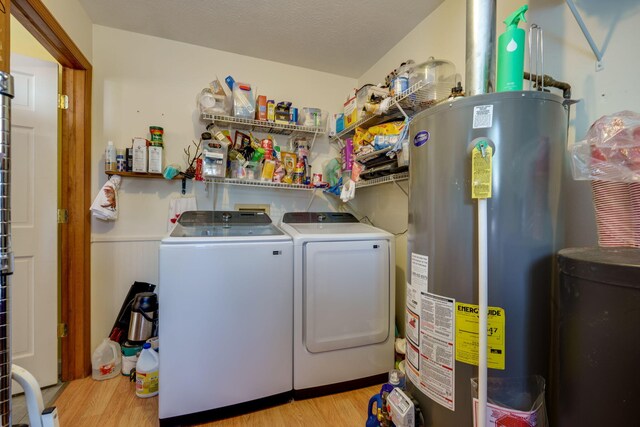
[89, 403]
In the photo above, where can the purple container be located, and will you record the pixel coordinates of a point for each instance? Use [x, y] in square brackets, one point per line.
[347, 155]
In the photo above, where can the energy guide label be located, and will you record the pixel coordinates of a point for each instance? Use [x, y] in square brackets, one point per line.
[468, 339]
[437, 349]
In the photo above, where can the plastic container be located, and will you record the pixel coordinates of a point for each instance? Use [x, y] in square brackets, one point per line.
[437, 76]
[106, 360]
[147, 369]
[121, 161]
[215, 158]
[130, 353]
[244, 101]
[401, 81]
[110, 157]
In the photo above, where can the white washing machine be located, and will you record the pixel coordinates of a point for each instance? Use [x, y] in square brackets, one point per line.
[226, 308]
[344, 300]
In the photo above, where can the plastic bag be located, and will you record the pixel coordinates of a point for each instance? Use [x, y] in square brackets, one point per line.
[610, 151]
[513, 401]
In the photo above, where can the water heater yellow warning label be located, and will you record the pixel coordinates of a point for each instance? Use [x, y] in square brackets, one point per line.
[467, 339]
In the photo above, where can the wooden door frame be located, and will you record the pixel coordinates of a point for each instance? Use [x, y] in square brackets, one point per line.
[75, 183]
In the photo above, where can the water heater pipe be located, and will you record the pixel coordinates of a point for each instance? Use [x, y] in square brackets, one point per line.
[480, 47]
[483, 309]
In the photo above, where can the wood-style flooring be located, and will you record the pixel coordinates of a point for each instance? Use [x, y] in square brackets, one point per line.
[89, 403]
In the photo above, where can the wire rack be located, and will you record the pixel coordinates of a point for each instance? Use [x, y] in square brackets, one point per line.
[262, 126]
[383, 179]
[253, 183]
[416, 98]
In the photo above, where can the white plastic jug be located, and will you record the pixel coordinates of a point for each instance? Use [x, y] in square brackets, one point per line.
[106, 360]
[147, 369]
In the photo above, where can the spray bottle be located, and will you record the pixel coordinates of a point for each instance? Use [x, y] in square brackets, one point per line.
[511, 53]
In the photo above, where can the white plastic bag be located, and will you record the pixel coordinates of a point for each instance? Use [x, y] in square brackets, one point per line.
[513, 401]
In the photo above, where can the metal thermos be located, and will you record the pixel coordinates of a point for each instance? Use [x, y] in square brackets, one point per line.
[144, 312]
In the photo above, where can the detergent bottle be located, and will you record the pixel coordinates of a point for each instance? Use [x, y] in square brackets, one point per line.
[147, 372]
[511, 53]
[372, 419]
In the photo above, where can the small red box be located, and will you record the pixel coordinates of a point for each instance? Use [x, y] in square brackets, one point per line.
[261, 111]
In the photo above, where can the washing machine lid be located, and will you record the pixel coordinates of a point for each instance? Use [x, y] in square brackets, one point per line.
[318, 218]
[200, 226]
[324, 226]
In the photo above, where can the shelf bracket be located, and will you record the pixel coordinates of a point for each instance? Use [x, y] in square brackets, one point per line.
[587, 35]
[400, 187]
[184, 185]
[313, 195]
[313, 141]
[395, 101]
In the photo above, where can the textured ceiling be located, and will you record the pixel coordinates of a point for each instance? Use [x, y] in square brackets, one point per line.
[344, 37]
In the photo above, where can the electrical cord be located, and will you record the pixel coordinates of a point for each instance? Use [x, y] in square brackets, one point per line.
[366, 218]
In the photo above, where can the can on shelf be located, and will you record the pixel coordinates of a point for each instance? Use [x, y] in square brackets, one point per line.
[156, 135]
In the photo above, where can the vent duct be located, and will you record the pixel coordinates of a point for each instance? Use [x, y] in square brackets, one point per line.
[480, 48]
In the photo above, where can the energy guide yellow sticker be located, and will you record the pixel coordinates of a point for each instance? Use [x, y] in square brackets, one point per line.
[481, 159]
[467, 338]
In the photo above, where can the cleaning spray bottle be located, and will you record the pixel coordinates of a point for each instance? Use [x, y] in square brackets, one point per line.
[511, 53]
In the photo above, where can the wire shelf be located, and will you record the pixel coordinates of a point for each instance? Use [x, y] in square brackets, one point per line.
[382, 180]
[416, 98]
[253, 183]
[262, 126]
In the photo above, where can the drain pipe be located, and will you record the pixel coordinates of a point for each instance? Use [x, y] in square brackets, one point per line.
[6, 255]
[479, 79]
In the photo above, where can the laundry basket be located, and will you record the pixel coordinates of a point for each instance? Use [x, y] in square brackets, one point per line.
[609, 156]
[617, 208]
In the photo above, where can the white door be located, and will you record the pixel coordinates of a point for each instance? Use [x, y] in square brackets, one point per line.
[34, 190]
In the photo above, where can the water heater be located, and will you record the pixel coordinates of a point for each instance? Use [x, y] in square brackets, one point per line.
[527, 133]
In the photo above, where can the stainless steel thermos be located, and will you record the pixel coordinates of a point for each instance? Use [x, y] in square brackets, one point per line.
[144, 315]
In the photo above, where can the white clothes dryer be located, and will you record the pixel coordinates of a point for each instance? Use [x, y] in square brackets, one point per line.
[226, 308]
[344, 301]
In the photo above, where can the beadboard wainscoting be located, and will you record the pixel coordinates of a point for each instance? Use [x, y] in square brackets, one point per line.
[115, 264]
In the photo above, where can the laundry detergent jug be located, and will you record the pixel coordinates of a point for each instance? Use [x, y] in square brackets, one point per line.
[106, 360]
[147, 372]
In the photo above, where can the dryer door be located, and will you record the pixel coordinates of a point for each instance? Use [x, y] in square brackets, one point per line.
[346, 294]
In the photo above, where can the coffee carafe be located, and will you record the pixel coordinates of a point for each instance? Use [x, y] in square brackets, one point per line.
[144, 315]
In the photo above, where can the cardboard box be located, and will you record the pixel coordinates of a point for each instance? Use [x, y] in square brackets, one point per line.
[350, 111]
[283, 113]
[155, 159]
[261, 108]
[140, 155]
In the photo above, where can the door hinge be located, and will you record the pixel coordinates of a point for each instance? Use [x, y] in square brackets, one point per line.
[62, 330]
[63, 216]
[63, 102]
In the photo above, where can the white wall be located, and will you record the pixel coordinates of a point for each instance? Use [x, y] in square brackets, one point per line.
[141, 81]
[567, 58]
